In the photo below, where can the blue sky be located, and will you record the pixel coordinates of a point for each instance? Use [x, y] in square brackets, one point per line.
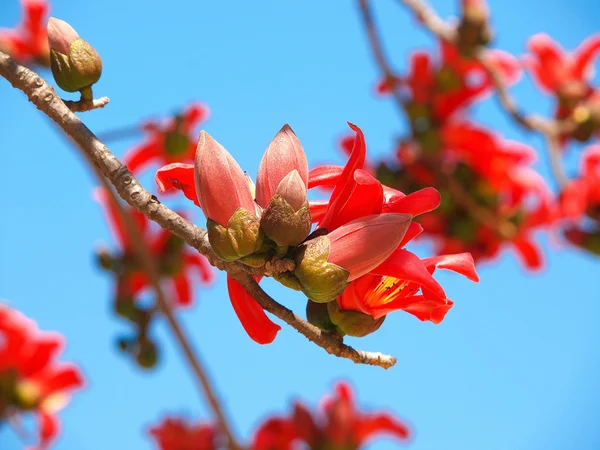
[511, 367]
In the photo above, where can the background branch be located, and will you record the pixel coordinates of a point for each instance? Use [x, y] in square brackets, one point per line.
[43, 96]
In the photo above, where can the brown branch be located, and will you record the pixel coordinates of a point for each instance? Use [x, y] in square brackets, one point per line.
[550, 129]
[85, 105]
[128, 187]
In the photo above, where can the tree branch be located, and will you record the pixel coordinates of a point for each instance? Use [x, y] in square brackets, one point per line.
[85, 105]
[128, 187]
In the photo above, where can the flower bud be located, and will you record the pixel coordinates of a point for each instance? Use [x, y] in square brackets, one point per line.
[352, 323]
[473, 29]
[75, 65]
[240, 238]
[286, 220]
[221, 186]
[320, 280]
[316, 314]
[283, 155]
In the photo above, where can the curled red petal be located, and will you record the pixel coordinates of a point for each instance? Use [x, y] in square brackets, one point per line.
[583, 58]
[183, 289]
[373, 425]
[530, 254]
[138, 158]
[64, 378]
[177, 176]
[405, 265]
[194, 114]
[460, 263]
[324, 176]
[49, 427]
[418, 202]
[199, 262]
[423, 307]
[414, 229]
[252, 316]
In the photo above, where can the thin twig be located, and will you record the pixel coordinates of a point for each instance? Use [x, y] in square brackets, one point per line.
[84, 105]
[128, 187]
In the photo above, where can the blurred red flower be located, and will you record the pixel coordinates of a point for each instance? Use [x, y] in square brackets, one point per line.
[28, 41]
[31, 379]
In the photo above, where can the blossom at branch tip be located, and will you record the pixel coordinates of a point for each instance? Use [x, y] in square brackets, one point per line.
[170, 141]
[75, 64]
[338, 423]
[28, 42]
[31, 379]
[558, 72]
[438, 91]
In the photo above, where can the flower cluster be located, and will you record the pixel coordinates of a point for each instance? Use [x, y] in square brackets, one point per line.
[337, 424]
[31, 379]
[177, 264]
[353, 267]
[491, 196]
[28, 42]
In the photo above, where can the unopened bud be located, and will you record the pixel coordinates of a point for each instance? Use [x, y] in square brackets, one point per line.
[147, 354]
[286, 220]
[352, 323]
[242, 237]
[320, 280]
[316, 314]
[75, 64]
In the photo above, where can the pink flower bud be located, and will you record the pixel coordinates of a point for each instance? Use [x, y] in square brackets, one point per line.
[283, 155]
[221, 185]
[293, 190]
[363, 244]
[60, 35]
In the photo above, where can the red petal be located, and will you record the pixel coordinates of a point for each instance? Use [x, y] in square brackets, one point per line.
[44, 352]
[460, 263]
[324, 176]
[345, 184]
[318, 209]
[49, 428]
[405, 265]
[252, 316]
[422, 307]
[365, 199]
[583, 59]
[198, 261]
[177, 176]
[183, 289]
[193, 114]
[414, 229]
[139, 157]
[549, 62]
[371, 425]
[66, 377]
[529, 253]
[419, 202]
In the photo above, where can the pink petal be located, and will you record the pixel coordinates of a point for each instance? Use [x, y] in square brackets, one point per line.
[362, 245]
[221, 185]
[283, 155]
[324, 176]
[60, 35]
[419, 202]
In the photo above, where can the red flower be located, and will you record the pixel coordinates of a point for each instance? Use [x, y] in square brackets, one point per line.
[28, 41]
[176, 260]
[178, 434]
[31, 380]
[169, 141]
[566, 75]
[396, 282]
[339, 424]
[583, 193]
[455, 83]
